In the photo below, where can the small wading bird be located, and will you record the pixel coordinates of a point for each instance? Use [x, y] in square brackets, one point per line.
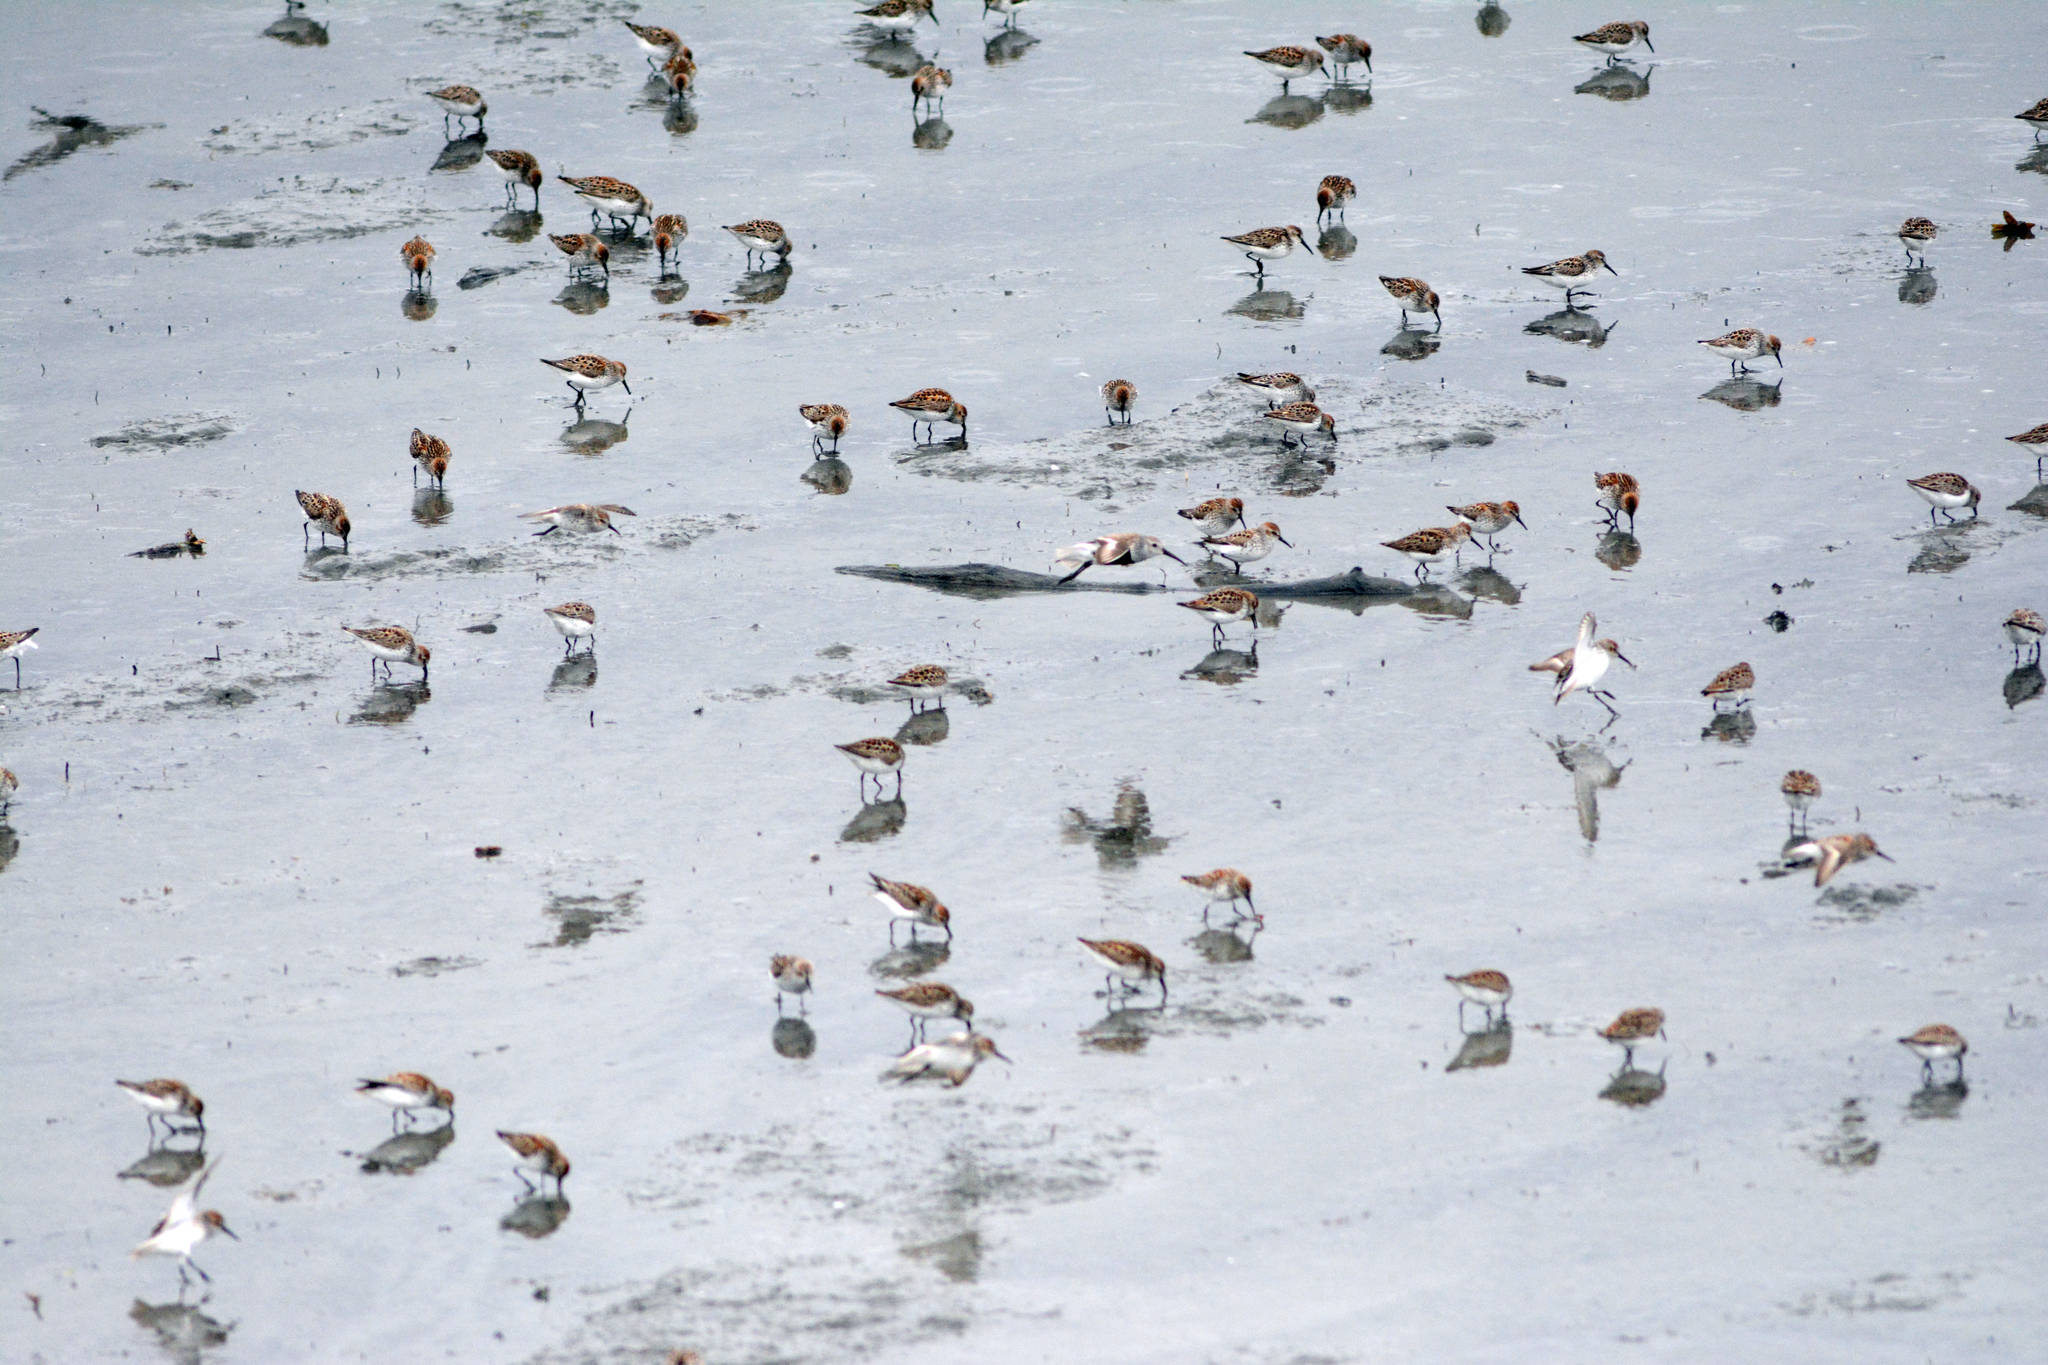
[183, 1228]
[659, 44]
[923, 683]
[909, 901]
[1414, 296]
[1617, 38]
[669, 231]
[406, 1093]
[762, 237]
[1572, 273]
[928, 87]
[930, 407]
[1129, 967]
[1488, 989]
[2025, 628]
[875, 758]
[1119, 396]
[429, 453]
[1744, 344]
[1936, 1043]
[1800, 789]
[1222, 607]
[1589, 662]
[574, 621]
[539, 1154]
[1346, 49]
[1299, 421]
[952, 1058]
[15, 643]
[1225, 886]
[613, 199]
[1127, 547]
[1731, 685]
[459, 102]
[897, 17]
[588, 373]
[1215, 516]
[1489, 519]
[1247, 546]
[924, 1001]
[1267, 244]
[1288, 62]
[1944, 493]
[1832, 854]
[1619, 496]
[826, 420]
[1631, 1028]
[586, 518]
[418, 255]
[518, 168]
[585, 250]
[792, 977]
[388, 645]
[324, 512]
[1332, 195]
[169, 1100]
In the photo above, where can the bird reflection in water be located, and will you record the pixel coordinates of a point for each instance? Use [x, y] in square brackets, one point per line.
[461, 153]
[678, 115]
[576, 672]
[1222, 947]
[584, 298]
[1618, 550]
[1746, 395]
[1124, 837]
[931, 135]
[165, 1165]
[1731, 727]
[296, 29]
[670, 289]
[431, 506]
[181, 1329]
[1617, 83]
[1121, 1030]
[596, 435]
[877, 820]
[391, 704]
[1941, 551]
[1487, 582]
[515, 225]
[1489, 1046]
[418, 305]
[1573, 325]
[793, 1037]
[1412, 343]
[2022, 684]
[831, 475]
[1347, 99]
[536, 1215]
[1268, 305]
[407, 1152]
[1225, 666]
[1633, 1088]
[1918, 286]
[1336, 243]
[762, 286]
[1008, 45]
[69, 132]
[1938, 1100]
[1291, 111]
[1593, 769]
[1492, 20]
[925, 727]
[889, 55]
[911, 960]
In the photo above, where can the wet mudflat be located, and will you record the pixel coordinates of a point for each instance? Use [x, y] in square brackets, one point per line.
[236, 860]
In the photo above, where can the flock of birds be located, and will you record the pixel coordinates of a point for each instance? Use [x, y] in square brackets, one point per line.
[1130, 968]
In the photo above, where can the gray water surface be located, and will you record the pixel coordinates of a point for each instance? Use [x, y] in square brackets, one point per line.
[236, 861]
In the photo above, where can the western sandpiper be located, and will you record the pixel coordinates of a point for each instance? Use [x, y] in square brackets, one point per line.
[2024, 628]
[584, 518]
[1132, 964]
[536, 1153]
[1560, 663]
[922, 683]
[1572, 273]
[418, 255]
[1590, 660]
[9, 785]
[388, 645]
[1126, 547]
[2035, 117]
[590, 372]
[573, 621]
[1916, 235]
[1119, 396]
[928, 85]
[1346, 49]
[1800, 789]
[1744, 344]
[1936, 1043]
[15, 643]
[1944, 493]
[406, 1093]
[585, 250]
[518, 168]
[1301, 420]
[459, 102]
[897, 17]
[932, 406]
[1003, 7]
[169, 1100]
[826, 420]
[1214, 516]
[1832, 854]
[430, 453]
[324, 512]
[659, 44]
[1731, 685]
[952, 1058]
[1619, 496]
[1617, 38]
[670, 229]
[928, 1000]
[875, 758]
[1224, 885]
[679, 73]
[614, 199]
[1267, 244]
[183, 1228]
[1632, 1028]
[1431, 545]
[1414, 296]
[1486, 988]
[1247, 546]
[1489, 519]
[1289, 62]
[792, 977]
[1278, 389]
[2035, 439]
[1333, 194]
[1224, 606]
[909, 901]
[762, 237]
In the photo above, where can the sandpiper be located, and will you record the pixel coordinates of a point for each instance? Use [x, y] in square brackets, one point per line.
[429, 453]
[909, 901]
[9, 785]
[1936, 1043]
[588, 373]
[762, 237]
[1333, 194]
[585, 250]
[518, 168]
[932, 406]
[659, 44]
[792, 977]
[1916, 235]
[1832, 854]
[1005, 7]
[1486, 988]
[1489, 519]
[183, 1228]
[583, 518]
[2024, 628]
[953, 1058]
[459, 102]
[1247, 546]
[1744, 344]
[2035, 117]
[1126, 547]
[539, 1154]
[1800, 789]
[1431, 545]
[418, 255]
[1414, 296]
[1300, 421]
[669, 231]
[612, 198]
[406, 1093]
[1224, 606]
[1589, 663]
[388, 645]
[927, 1000]
[1944, 493]
[1267, 244]
[826, 420]
[324, 512]
[1214, 516]
[1560, 663]
[1572, 273]
[1119, 396]
[1617, 38]
[1619, 496]
[875, 757]
[1224, 886]
[1731, 685]
[1631, 1028]
[574, 621]
[1132, 964]
[15, 643]
[928, 85]
[898, 17]
[167, 1099]
[922, 683]
[679, 73]
[1278, 389]
[1346, 49]
[2036, 440]
[1289, 62]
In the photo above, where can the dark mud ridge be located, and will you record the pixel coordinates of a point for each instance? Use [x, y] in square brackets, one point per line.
[998, 579]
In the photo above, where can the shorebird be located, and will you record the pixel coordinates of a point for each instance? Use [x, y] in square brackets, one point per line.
[1127, 547]
[953, 1058]
[183, 1228]
[1589, 663]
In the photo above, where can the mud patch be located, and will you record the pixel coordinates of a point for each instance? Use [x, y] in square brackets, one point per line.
[295, 212]
[168, 433]
[316, 132]
[530, 554]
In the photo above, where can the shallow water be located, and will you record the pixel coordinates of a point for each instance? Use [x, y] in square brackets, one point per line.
[235, 861]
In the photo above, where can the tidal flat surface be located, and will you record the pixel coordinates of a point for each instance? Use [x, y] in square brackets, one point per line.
[236, 861]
